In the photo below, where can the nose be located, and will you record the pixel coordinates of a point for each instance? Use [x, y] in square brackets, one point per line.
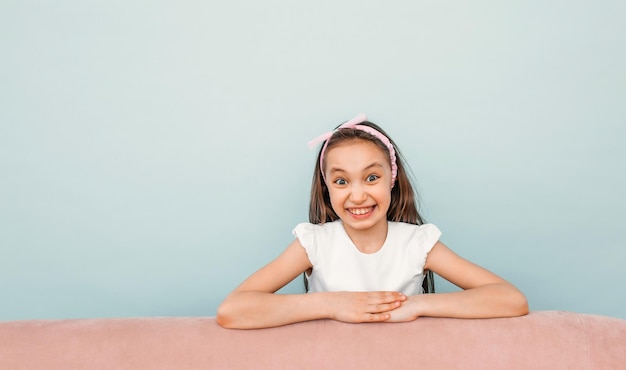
[358, 193]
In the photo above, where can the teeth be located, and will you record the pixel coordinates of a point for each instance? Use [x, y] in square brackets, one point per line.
[360, 211]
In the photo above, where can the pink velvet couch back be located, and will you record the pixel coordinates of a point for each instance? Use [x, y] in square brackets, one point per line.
[540, 340]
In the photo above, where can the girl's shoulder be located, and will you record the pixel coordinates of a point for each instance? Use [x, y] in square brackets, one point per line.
[311, 236]
[425, 233]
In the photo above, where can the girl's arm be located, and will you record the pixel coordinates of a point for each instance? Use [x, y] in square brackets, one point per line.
[485, 294]
[253, 304]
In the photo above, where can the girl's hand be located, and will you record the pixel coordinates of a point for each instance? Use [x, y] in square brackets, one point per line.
[355, 307]
[409, 310]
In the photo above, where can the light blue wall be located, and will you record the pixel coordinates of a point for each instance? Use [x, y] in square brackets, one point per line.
[153, 153]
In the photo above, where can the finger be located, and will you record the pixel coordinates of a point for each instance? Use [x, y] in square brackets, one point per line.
[386, 297]
[376, 317]
[385, 307]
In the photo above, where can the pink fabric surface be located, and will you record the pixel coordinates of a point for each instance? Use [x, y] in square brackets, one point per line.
[540, 340]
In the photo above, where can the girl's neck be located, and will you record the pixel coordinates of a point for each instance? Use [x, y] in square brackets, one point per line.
[369, 240]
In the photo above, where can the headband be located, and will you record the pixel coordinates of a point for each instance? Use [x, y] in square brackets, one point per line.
[355, 123]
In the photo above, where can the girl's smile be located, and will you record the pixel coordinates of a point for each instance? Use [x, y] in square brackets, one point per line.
[361, 211]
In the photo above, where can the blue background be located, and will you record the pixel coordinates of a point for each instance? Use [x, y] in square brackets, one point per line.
[153, 153]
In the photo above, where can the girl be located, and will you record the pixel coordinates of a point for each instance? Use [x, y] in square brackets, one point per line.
[366, 251]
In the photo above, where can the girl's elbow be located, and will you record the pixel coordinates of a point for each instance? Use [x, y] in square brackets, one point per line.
[519, 304]
[224, 317]
[524, 309]
[223, 321]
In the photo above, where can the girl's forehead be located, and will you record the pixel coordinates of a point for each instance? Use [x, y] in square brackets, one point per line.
[355, 151]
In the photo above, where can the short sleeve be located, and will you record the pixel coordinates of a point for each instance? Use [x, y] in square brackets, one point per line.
[305, 232]
[428, 236]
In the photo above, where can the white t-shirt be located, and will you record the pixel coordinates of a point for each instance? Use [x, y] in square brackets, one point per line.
[339, 266]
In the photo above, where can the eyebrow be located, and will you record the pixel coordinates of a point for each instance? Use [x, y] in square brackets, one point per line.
[375, 164]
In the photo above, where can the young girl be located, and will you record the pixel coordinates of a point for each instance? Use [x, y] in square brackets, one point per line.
[366, 251]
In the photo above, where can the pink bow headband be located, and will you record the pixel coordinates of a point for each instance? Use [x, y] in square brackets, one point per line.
[355, 123]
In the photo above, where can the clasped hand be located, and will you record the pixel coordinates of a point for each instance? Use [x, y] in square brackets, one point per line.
[358, 307]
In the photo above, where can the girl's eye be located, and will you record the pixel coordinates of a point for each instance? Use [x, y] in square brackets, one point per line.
[340, 182]
[371, 178]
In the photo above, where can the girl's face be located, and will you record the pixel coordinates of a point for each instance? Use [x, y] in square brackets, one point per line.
[358, 176]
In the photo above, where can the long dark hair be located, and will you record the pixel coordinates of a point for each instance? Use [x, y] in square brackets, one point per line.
[403, 207]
